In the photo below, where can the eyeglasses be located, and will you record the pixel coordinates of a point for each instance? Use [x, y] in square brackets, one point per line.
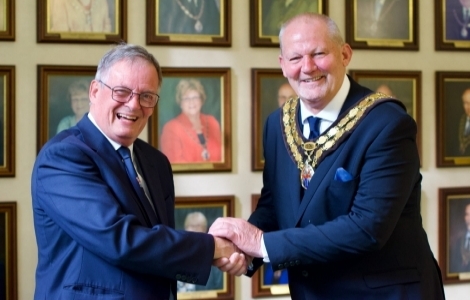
[122, 94]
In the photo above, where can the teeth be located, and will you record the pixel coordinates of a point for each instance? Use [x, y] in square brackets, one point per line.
[313, 79]
[126, 117]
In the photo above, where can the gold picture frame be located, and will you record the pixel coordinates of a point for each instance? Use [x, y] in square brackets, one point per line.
[62, 21]
[55, 109]
[7, 20]
[392, 27]
[452, 29]
[454, 254]
[170, 129]
[197, 213]
[7, 121]
[452, 133]
[8, 251]
[180, 23]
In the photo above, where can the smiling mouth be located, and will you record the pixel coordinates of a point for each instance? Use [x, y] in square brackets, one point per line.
[312, 79]
[126, 117]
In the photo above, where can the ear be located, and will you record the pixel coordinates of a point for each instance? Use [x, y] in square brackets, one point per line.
[281, 62]
[346, 53]
[94, 88]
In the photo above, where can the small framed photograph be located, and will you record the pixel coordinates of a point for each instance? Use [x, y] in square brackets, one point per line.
[62, 98]
[453, 119]
[270, 89]
[198, 214]
[7, 121]
[191, 123]
[454, 234]
[402, 85]
[267, 17]
[265, 282]
[7, 20]
[8, 252]
[189, 23]
[82, 21]
[386, 24]
[452, 25]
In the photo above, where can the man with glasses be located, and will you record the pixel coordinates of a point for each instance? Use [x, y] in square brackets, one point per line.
[103, 200]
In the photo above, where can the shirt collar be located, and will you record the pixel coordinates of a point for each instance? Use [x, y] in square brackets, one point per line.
[113, 143]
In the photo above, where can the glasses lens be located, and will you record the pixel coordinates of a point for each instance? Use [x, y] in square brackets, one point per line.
[121, 94]
[148, 100]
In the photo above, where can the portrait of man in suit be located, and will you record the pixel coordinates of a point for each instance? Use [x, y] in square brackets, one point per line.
[457, 20]
[382, 19]
[459, 252]
[457, 119]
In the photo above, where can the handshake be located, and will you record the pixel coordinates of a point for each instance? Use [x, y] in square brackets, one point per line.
[237, 242]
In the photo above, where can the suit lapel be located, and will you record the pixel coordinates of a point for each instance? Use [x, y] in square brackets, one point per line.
[153, 184]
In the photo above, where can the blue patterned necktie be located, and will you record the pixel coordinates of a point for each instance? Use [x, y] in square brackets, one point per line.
[314, 124]
[132, 174]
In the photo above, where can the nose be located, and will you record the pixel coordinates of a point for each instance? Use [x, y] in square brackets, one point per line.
[134, 101]
[308, 64]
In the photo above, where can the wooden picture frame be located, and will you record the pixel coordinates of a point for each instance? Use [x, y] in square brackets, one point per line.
[269, 90]
[170, 129]
[62, 98]
[393, 27]
[7, 20]
[261, 282]
[266, 17]
[7, 121]
[404, 85]
[197, 214]
[454, 220]
[452, 29]
[8, 251]
[452, 105]
[173, 22]
[68, 22]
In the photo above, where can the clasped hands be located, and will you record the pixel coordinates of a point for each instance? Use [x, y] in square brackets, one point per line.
[237, 242]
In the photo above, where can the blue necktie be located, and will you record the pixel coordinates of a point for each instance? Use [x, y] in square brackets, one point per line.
[314, 124]
[132, 174]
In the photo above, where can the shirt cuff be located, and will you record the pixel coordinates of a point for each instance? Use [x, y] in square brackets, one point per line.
[264, 251]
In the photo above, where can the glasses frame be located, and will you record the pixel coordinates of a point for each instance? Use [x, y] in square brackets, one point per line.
[132, 95]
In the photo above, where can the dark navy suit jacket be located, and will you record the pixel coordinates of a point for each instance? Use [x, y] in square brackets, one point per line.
[350, 239]
[93, 239]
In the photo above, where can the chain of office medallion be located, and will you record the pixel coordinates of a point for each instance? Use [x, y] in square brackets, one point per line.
[328, 139]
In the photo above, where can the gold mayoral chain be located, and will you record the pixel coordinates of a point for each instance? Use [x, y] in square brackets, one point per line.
[308, 154]
[198, 26]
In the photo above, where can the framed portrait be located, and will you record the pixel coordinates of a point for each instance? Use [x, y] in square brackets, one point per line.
[81, 21]
[454, 234]
[265, 282]
[453, 119]
[267, 16]
[191, 124]
[7, 121]
[62, 98]
[269, 90]
[387, 25]
[452, 25]
[402, 85]
[189, 23]
[198, 214]
[7, 20]
[8, 252]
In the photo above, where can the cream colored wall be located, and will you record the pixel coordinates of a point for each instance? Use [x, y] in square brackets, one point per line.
[26, 54]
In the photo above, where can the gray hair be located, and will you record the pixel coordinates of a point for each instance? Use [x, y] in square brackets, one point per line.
[129, 52]
[333, 29]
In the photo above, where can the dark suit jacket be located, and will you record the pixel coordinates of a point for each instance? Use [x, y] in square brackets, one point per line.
[93, 239]
[359, 239]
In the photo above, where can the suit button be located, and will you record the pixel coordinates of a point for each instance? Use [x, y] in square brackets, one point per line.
[292, 263]
[183, 278]
[280, 266]
[304, 273]
[297, 262]
[286, 265]
[178, 276]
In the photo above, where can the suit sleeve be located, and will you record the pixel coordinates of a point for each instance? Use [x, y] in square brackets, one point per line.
[75, 203]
